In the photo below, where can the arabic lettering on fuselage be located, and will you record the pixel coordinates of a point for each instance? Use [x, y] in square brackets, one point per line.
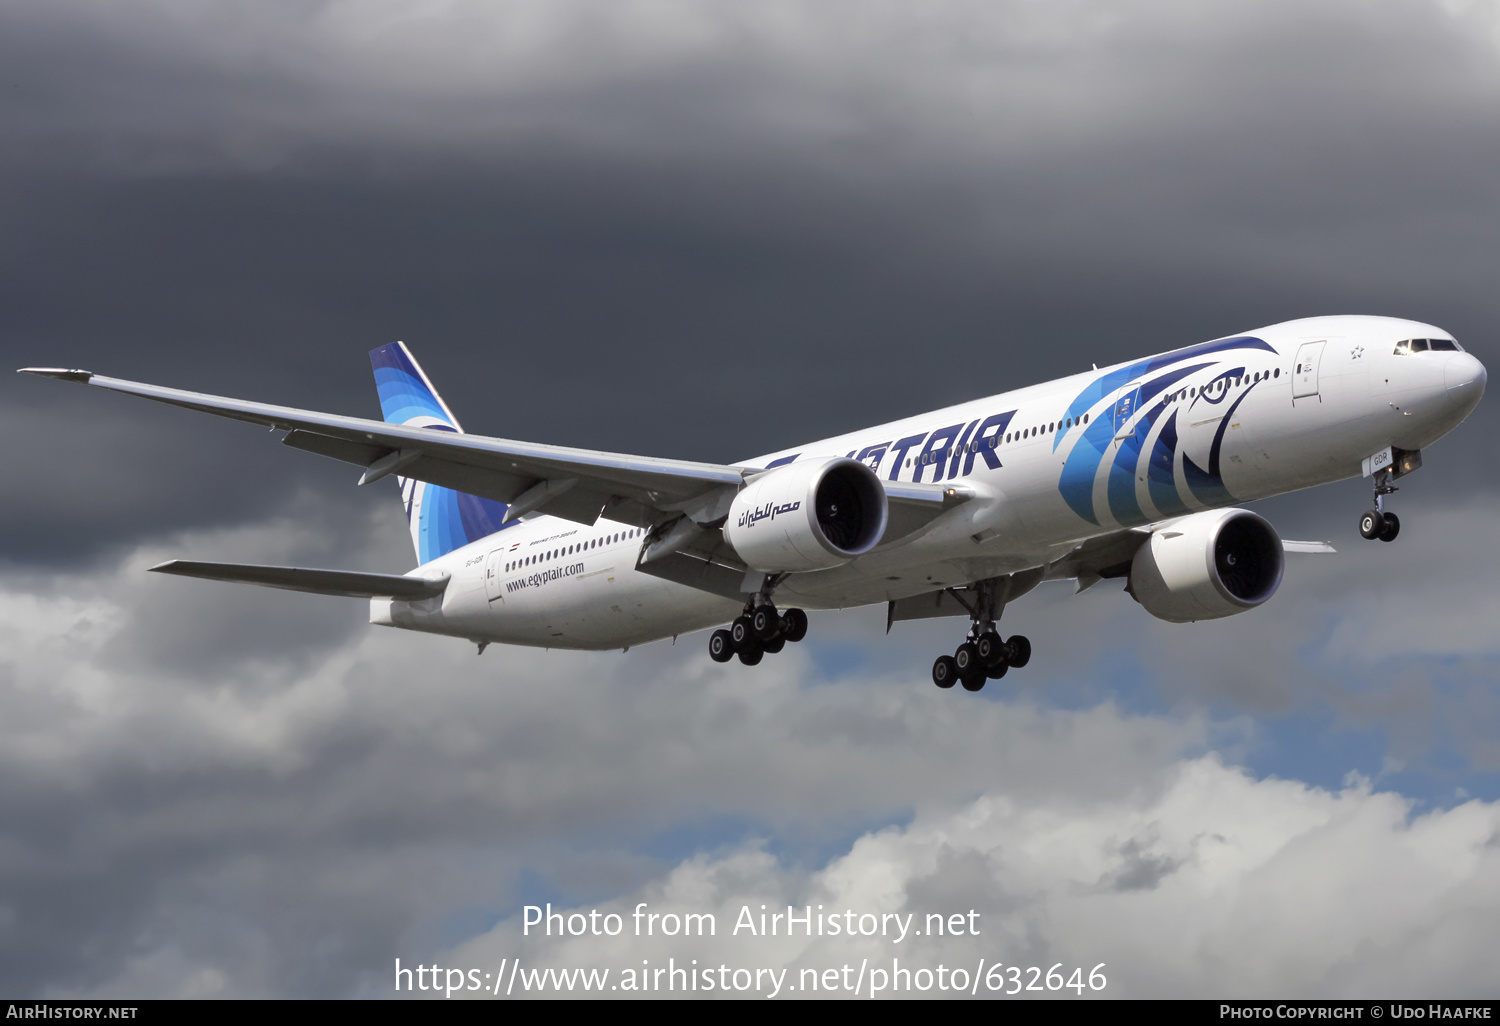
[769, 511]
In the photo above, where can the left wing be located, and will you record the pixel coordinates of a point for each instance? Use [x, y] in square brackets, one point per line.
[575, 484]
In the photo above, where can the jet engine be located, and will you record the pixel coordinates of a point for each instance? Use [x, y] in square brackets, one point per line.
[1207, 566]
[807, 516]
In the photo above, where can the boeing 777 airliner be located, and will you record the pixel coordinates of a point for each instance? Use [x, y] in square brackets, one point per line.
[1133, 471]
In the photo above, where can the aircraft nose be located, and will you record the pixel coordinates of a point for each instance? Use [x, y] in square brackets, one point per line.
[1464, 377]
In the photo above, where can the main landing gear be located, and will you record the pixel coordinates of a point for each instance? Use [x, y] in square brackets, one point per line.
[1377, 523]
[984, 656]
[981, 658]
[756, 632]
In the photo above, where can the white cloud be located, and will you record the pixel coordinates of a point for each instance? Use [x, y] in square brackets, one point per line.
[1201, 882]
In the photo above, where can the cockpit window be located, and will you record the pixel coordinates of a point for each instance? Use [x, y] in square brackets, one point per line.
[1422, 345]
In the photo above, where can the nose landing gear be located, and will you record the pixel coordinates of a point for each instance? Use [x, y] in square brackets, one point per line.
[1377, 523]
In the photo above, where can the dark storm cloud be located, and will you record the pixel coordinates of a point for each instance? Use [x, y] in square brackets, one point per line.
[708, 241]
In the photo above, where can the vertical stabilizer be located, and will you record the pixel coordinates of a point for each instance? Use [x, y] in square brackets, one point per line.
[441, 519]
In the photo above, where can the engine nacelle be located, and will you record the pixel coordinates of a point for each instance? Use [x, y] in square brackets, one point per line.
[807, 516]
[1208, 565]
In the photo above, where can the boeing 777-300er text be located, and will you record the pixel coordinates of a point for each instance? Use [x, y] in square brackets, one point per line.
[1132, 471]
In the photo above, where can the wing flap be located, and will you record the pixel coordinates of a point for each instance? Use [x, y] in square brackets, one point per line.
[1108, 555]
[912, 506]
[920, 607]
[318, 582]
[1307, 546]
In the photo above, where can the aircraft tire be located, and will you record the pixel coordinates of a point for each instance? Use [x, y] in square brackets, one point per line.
[721, 646]
[794, 625]
[773, 646]
[944, 672]
[764, 623]
[1018, 650]
[1371, 524]
[974, 683]
[998, 670]
[1390, 528]
[990, 648]
[751, 657]
[741, 634]
[967, 661]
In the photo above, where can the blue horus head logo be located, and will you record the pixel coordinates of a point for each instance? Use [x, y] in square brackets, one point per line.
[1125, 406]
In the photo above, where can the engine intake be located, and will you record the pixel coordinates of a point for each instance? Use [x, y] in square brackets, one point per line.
[807, 516]
[1207, 566]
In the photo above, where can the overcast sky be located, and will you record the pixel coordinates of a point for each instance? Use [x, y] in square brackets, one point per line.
[711, 230]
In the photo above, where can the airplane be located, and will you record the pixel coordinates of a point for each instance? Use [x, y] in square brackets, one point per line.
[1132, 471]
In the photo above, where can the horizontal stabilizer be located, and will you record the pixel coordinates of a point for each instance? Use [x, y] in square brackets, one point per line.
[318, 582]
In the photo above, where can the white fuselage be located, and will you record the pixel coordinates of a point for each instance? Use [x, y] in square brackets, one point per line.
[1052, 465]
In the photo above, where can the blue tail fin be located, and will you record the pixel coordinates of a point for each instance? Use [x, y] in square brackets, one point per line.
[441, 519]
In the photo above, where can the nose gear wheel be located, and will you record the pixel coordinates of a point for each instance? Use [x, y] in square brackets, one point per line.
[1377, 523]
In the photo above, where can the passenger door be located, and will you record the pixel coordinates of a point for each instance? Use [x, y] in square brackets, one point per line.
[492, 567]
[1305, 370]
[1126, 405]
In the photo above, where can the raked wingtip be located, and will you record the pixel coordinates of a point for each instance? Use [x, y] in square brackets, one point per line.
[61, 373]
